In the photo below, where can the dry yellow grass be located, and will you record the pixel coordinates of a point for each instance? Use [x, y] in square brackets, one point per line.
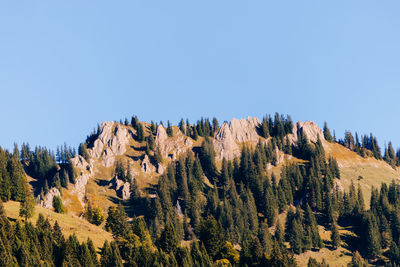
[69, 223]
[373, 172]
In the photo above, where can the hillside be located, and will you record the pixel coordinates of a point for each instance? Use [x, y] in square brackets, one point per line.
[257, 189]
[69, 223]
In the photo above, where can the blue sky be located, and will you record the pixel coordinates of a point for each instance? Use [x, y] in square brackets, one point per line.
[67, 65]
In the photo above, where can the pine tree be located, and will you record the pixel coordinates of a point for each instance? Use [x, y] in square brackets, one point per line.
[170, 132]
[27, 206]
[58, 205]
[327, 133]
[110, 256]
[335, 236]
[168, 240]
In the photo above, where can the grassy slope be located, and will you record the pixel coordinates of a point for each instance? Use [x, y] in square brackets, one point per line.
[69, 223]
[374, 172]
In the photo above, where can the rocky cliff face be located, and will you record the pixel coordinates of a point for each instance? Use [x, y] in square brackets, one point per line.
[172, 147]
[309, 128]
[122, 188]
[237, 131]
[47, 200]
[114, 138]
[112, 141]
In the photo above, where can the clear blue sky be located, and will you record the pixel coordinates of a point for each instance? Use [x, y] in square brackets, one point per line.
[67, 65]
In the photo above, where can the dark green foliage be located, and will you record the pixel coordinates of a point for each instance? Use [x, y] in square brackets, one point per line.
[82, 151]
[327, 133]
[170, 131]
[58, 205]
[94, 214]
[168, 241]
[335, 236]
[140, 132]
[110, 256]
[117, 221]
[211, 234]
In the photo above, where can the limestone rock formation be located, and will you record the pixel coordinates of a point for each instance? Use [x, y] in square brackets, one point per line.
[47, 201]
[309, 128]
[122, 188]
[80, 163]
[225, 145]
[110, 143]
[238, 131]
[146, 165]
[245, 130]
[172, 147]
[79, 188]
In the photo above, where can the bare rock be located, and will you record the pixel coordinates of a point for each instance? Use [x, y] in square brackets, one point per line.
[245, 130]
[172, 147]
[126, 191]
[121, 188]
[160, 169]
[309, 128]
[47, 201]
[146, 165]
[108, 158]
[110, 143]
[238, 131]
[79, 188]
[80, 163]
[224, 144]
[104, 136]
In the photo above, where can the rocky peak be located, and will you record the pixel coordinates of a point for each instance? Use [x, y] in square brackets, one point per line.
[110, 143]
[309, 128]
[245, 130]
[172, 146]
[225, 145]
[237, 131]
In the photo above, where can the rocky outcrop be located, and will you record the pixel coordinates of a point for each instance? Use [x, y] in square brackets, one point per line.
[309, 129]
[47, 200]
[122, 188]
[80, 163]
[79, 188]
[171, 147]
[224, 144]
[237, 131]
[146, 165]
[245, 130]
[110, 143]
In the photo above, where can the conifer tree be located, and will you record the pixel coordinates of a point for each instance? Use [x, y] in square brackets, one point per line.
[170, 132]
[335, 236]
[327, 133]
